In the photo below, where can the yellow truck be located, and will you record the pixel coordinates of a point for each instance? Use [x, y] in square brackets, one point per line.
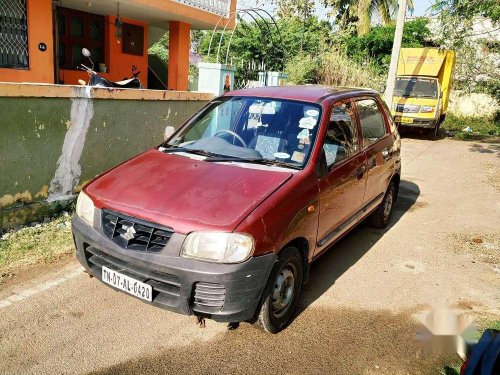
[422, 90]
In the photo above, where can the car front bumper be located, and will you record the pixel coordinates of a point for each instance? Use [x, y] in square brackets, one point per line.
[222, 292]
[417, 123]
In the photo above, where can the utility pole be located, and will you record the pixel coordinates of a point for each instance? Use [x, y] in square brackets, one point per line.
[396, 46]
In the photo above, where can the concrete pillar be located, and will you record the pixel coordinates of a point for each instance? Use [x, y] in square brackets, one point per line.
[178, 60]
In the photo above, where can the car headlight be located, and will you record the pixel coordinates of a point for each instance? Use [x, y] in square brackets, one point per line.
[427, 108]
[218, 247]
[85, 208]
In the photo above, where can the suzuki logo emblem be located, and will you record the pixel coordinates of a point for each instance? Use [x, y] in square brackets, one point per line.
[129, 232]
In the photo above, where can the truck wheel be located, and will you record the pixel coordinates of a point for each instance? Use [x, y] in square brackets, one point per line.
[282, 292]
[381, 217]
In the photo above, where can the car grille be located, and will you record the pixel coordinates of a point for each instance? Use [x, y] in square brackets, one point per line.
[408, 108]
[208, 295]
[134, 234]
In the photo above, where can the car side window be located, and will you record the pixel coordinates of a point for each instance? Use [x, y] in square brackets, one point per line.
[371, 120]
[341, 140]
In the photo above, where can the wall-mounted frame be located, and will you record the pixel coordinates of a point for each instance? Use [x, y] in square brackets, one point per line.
[133, 39]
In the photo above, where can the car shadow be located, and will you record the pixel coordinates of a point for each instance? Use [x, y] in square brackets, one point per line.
[488, 148]
[422, 134]
[344, 254]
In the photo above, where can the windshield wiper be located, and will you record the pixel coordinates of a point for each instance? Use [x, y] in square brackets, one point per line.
[189, 150]
[216, 159]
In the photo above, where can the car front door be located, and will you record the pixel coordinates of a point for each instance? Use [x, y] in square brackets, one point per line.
[343, 187]
[377, 145]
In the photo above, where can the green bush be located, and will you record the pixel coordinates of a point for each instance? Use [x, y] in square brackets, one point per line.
[302, 69]
[376, 45]
[481, 127]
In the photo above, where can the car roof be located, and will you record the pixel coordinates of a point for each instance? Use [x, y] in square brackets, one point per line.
[307, 93]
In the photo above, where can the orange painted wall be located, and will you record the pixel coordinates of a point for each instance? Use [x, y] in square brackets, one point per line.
[178, 62]
[119, 64]
[39, 30]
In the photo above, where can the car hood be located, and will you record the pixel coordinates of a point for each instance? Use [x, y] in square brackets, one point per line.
[183, 193]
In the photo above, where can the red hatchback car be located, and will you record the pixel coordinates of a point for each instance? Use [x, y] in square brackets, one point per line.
[224, 218]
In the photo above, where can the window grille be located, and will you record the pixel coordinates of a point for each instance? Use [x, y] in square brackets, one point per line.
[13, 34]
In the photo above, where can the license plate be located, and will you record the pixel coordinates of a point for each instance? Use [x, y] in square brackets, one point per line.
[407, 120]
[127, 284]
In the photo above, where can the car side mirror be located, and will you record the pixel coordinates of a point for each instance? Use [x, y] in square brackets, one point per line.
[169, 131]
[85, 52]
[441, 94]
[322, 166]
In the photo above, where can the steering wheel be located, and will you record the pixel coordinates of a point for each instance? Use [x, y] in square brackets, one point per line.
[236, 136]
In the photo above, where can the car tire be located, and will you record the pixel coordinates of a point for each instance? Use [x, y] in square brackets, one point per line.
[282, 291]
[381, 217]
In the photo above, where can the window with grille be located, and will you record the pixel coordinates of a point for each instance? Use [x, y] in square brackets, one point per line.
[13, 34]
[79, 30]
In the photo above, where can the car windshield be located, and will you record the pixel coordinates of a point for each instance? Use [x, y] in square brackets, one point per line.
[250, 129]
[416, 88]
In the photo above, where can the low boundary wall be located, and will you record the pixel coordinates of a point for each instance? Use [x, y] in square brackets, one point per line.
[56, 138]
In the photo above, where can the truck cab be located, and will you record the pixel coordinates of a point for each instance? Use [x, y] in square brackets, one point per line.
[422, 88]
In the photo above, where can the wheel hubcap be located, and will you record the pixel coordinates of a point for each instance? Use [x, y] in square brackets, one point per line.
[283, 292]
[388, 205]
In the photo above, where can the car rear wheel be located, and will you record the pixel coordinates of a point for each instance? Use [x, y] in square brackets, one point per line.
[381, 217]
[282, 292]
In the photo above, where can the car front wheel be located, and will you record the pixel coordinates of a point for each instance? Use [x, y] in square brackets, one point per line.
[282, 292]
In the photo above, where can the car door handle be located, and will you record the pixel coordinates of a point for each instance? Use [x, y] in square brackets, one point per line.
[360, 172]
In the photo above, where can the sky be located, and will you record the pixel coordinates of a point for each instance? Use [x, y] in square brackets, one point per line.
[421, 7]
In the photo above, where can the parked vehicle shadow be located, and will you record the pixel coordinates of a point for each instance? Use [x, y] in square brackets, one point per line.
[345, 253]
[422, 134]
[488, 148]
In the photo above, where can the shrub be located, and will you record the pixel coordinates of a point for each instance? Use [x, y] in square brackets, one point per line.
[336, 69]
[481, 127]
[302, 69]
[376, 45]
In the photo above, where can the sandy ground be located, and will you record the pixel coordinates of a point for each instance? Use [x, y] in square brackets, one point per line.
[357, 315]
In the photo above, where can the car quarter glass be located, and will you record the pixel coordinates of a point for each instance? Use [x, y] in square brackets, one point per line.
[341, 140]
[371, 120]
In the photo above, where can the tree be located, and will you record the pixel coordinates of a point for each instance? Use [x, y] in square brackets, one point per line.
[290, 8]
[294, 8]
[467, 26]
[458, 17]
[376, 45]
[260, 40]
[361, 12]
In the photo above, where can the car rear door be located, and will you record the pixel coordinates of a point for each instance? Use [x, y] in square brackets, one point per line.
[342, 188]
[377, 147]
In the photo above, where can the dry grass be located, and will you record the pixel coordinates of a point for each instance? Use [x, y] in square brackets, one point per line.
[338, 70]
[42, 243]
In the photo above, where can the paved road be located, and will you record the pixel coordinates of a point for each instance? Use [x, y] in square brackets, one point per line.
[357, 314]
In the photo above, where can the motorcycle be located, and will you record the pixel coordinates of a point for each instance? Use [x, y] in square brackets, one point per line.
[97, 80]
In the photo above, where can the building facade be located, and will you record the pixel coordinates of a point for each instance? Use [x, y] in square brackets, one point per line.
[41, 40]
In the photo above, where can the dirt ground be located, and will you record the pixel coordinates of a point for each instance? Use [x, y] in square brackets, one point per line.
[357, 314]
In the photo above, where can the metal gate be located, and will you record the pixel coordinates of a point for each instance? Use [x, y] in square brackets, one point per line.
[13, 34]
[247, 71]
